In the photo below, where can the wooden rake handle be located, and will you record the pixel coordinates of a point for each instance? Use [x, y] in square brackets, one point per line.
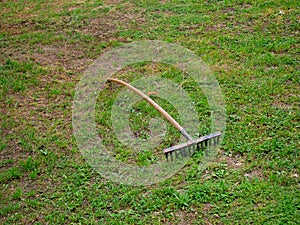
[154, 104]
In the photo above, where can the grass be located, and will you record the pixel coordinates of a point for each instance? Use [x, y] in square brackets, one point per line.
[252, 49]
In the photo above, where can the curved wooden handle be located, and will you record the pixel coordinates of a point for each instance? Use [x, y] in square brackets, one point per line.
[148, 99]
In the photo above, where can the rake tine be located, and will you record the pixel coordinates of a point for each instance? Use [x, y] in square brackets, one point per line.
[169, 154]
[182, 153]
[215, 141]
[194, 148]
[185, 152]
[198, 146]
[190, 149]
[218, 139]
[176, 154]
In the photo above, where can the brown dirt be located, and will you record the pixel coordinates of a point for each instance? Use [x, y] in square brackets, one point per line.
[257, 173]
[71, 56]
[35, 107]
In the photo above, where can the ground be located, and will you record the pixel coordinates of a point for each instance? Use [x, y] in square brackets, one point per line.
[252, 48]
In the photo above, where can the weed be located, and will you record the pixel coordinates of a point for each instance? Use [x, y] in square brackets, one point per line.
[17, 194]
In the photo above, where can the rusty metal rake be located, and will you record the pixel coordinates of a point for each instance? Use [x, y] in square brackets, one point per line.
[185, 149]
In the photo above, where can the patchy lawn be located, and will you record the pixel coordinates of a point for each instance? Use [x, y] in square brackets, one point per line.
[252, 49]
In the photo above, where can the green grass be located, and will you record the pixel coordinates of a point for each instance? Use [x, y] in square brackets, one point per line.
[250, 46]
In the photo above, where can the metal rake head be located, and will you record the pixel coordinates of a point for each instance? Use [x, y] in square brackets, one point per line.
[187, 149]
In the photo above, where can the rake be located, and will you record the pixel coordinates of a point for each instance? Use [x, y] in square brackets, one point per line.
[185, 149]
